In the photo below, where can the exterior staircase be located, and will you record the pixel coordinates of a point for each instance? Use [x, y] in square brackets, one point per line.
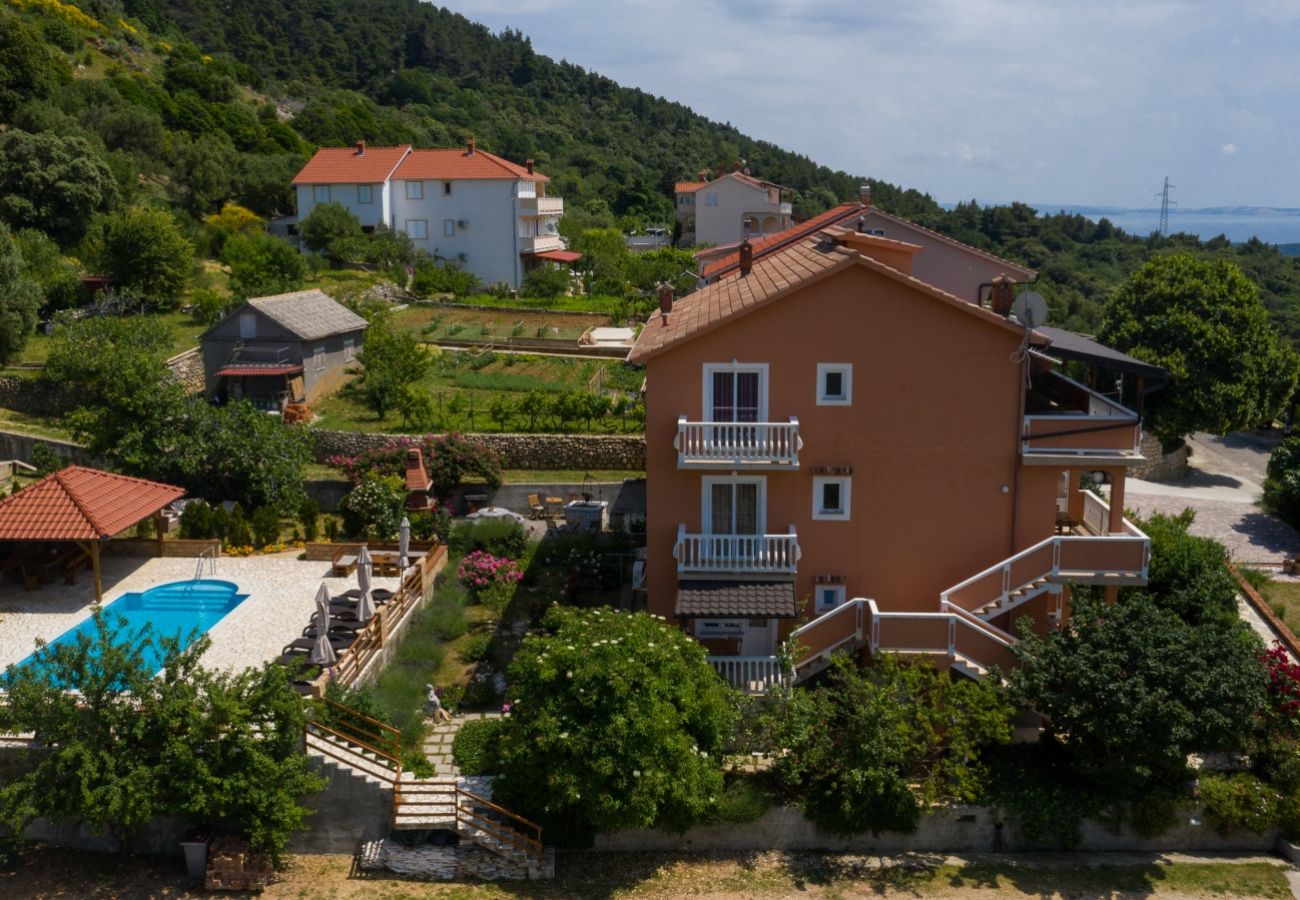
[371, 750]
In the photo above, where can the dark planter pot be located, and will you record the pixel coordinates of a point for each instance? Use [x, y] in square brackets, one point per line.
[195, 844]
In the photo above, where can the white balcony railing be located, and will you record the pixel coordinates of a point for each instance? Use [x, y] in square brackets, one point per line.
[541, 206]
[539, 243]
[751, 674]
[748, 554]
[737, 444]
[787, 209]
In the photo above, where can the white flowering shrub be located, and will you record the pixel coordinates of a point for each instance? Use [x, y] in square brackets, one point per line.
[615, 720]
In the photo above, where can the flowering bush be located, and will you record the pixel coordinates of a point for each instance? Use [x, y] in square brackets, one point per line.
[616, 721]
[1283, 687]
[481, 570]
[374, 507]
[448, 458]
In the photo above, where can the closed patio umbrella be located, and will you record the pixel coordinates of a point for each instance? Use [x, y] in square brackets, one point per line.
[322, 653]
[365, 603]
[404, 545]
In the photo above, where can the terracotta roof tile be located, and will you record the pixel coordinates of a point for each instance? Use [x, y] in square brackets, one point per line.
[771, 242]
[342, 165]
[781, 272]
[459, 164]
[78, 503]
[688, 187]
[736, 599]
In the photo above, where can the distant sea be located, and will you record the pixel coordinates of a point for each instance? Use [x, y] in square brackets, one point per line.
[1240, 223]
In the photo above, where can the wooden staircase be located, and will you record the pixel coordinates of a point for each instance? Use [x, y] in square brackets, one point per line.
[371, 750]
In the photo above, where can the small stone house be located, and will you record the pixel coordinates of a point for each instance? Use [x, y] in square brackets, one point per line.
[288, 348]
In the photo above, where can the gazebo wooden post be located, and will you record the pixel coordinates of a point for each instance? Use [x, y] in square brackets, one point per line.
[91, 549]
[159, 522]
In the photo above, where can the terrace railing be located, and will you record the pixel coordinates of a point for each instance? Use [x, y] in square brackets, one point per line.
[759, 554]
[710, 445]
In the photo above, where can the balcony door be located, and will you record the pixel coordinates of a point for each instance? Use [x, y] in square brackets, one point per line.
[735, 394]
[733, 519]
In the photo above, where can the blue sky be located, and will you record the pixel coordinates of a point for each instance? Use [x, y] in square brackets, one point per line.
[1046, 101]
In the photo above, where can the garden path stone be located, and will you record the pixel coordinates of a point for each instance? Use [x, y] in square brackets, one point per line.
[439, 741]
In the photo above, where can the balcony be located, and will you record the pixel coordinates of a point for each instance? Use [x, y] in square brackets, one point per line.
[541, 206]
[736, 554]
[787, 209]
[737, 445]
[754, 675]
[539, 243]
[1066, 422]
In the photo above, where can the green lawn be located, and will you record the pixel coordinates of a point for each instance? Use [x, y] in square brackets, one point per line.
[465, 384]
[604, 304]
[1284, 599]
[40, 426]
[183, 328]
[470, 323]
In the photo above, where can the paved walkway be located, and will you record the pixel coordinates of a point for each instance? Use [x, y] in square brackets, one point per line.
[438, 743]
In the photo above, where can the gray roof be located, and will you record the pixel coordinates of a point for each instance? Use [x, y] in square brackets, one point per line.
[1069, 345]
[311, 315]
[736, 600]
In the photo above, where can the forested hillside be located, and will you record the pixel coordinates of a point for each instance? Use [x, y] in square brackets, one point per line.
[194, 102]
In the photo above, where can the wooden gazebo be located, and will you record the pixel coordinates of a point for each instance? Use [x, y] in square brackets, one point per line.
[83, 507]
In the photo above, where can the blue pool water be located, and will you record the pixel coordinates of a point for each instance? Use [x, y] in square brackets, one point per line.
[182, 609]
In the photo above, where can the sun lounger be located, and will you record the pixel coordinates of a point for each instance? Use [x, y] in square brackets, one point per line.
[344, 562]
[338, 627]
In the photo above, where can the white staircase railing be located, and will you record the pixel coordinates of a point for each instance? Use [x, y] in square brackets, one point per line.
[752, 674]
[717, 444]
[208, 555]
[739, 553]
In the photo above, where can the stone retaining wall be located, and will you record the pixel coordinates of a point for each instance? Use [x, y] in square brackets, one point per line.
[1159, 465]
[187, 368]
[14, 445]
[517, 451]
[32, 396]
[968, 829]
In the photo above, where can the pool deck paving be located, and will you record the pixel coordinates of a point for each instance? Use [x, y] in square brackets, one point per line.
[281, 591]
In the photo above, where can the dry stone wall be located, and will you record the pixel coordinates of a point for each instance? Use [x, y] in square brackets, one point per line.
[1160, 465]
[517, 451]
[32, 396]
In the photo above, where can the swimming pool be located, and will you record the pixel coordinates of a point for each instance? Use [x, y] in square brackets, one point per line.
[182, 609]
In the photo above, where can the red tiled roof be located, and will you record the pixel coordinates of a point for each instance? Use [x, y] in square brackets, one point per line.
[688, 187]
[342, 165]
[771, 242]
[252, 369]
[778, 274]
[560, 256]
[459, 164]
[81, 504]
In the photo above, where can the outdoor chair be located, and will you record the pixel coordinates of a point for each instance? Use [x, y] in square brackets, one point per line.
[536, 507]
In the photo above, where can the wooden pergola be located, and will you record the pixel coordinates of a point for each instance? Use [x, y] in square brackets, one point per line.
[83, 507]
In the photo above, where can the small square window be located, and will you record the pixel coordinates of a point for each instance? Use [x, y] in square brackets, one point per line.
[321, 193]
[446, 188]
[710, 199]
[349, 349]
[365, 193]
[449, 227]
[417, 229]
[834, 384]
[415, 190]
[829, 596]
[318, 358]
[831, 499]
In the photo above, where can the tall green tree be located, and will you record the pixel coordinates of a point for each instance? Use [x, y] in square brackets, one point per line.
[52, 183]
[261, 265]
[392, 361]
[328, 225]
[28, 71]
[145, 251]
[55, 275]
[19, 298]
[1203, 321]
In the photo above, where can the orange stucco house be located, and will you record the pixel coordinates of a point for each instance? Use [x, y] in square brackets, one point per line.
[840, 451]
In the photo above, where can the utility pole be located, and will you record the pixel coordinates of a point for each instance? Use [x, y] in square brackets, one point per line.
[1165, 203]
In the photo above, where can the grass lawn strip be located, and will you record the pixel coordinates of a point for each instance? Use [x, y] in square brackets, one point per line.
[49, 872]
[1283, 597]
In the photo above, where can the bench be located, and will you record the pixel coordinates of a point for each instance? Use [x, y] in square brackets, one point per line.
[343, 562]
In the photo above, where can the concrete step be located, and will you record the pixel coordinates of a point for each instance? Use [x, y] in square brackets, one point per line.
[329, 750]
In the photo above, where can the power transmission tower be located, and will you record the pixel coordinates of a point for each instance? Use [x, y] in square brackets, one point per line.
[1165, 203]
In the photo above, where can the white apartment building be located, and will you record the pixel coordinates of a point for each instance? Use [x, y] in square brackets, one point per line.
[487, 214]
[729, 209]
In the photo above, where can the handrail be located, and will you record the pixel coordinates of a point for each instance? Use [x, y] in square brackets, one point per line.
[501, 809]
[356, 714]
[971, 620]
[209, 553]
[395, 760]
[718, 443]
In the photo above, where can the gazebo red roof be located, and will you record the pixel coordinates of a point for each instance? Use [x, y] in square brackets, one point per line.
[79, 504]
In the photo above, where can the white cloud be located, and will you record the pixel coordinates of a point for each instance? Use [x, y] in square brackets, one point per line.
[1228, 149]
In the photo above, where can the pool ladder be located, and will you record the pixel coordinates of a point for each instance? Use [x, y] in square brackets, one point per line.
[210, 557]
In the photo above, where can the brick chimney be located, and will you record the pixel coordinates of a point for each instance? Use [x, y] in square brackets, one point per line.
[702, 175]
[528, 164]
[746, 257]
[469, 147]
[864, 195]
[665, 299]
[361, 148]
[735, 166]
[1002, 293]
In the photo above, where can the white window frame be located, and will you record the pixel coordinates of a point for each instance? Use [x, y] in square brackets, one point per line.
[821, 590]
[719, 628]
[711, 368]
[846, 495]
[316, 193]
[318, 358]
[706, 498]
[365, 193]
[349, 349]
[846, 374]
[415, 190]
[448, 227]
[711, 199]
[423, 229]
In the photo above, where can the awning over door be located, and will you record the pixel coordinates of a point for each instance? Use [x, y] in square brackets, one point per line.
[736, 600]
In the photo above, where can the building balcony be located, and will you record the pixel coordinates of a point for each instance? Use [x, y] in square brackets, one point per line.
[540, 243]
[1067, 422]
[787, 209]
[736, 554]
[541, 206]
[737, 445]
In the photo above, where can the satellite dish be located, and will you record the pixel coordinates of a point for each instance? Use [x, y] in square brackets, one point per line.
[1030, 308]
